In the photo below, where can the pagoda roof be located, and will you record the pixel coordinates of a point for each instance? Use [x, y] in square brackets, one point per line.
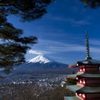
[71, 98]
[89, 75]
[85, 62]
[74, 88]
[89, 90]
[89, 62]
[73, 76]
[84, 75]
[84, 89]
[73, 66]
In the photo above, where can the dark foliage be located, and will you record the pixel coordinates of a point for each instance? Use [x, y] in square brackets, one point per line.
[92, 3]
[13, 45]
[71, 81]
[27, 9]
[32, 92]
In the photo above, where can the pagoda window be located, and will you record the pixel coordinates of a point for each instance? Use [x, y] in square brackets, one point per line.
[83, 95]
[76, 93]
[84, 81]
[80, 70]
[80, 95]
[76, 78]
[83, 69]
[80, 81]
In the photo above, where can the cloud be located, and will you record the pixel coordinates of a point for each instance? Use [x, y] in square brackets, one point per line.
[67, 48]
[71, 20]
[80, 22]
[56, 47]
[77, 22]
[95, 42]
[38, 52]
[34, 52]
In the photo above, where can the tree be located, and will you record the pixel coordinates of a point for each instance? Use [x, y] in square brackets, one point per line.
[27, 9]
[91, 3]
[13, 45]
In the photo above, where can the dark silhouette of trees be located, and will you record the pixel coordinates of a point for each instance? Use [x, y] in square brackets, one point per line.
[27, 9]
[13, 45]
[71, 81]
[91, 3]
[32, 92]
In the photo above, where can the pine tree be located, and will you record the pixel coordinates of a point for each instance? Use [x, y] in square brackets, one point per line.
[27, 9]
[13, 45]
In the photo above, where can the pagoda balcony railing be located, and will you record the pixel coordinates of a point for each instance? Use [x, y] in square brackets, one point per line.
[81, 96]
[89, 84]
[81, 84]
[80, 72]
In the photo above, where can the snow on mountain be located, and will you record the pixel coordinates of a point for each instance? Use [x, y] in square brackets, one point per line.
[41, 64]
[40, 59]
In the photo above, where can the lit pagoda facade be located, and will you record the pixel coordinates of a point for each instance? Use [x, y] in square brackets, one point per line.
[88, 78]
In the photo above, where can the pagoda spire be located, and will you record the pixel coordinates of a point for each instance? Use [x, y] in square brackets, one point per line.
[87, 48]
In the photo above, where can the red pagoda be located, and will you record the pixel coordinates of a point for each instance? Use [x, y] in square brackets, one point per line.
[88, 78]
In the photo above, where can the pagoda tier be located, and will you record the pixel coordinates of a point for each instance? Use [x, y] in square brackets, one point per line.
[84, 92]
[86, 79]
[89, 62]
[84, 89]
[86, 62]
[83, 75]
[73, 76]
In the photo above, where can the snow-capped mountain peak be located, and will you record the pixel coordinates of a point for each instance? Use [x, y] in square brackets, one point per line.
[40, 59]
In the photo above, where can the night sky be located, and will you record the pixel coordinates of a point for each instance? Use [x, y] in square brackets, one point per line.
[61, 32]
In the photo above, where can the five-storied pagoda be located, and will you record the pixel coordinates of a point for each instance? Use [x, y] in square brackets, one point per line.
[88, 78]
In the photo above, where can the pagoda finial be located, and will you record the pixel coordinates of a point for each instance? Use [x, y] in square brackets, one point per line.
[87, 48]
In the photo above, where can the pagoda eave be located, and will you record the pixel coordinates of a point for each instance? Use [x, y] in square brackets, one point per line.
[73, 76]
[74, 88]
[88, 62]
[89, 90]
[73, 66]
[71, 98]
[83, 89]
[89, 76]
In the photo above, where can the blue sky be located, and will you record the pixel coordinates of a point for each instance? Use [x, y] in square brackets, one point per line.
[61, 32]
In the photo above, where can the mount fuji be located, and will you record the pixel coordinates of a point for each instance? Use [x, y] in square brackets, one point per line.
[41, 59]
[42, 64]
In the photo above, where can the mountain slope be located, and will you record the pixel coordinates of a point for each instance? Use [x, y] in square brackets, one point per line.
[42, 64]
